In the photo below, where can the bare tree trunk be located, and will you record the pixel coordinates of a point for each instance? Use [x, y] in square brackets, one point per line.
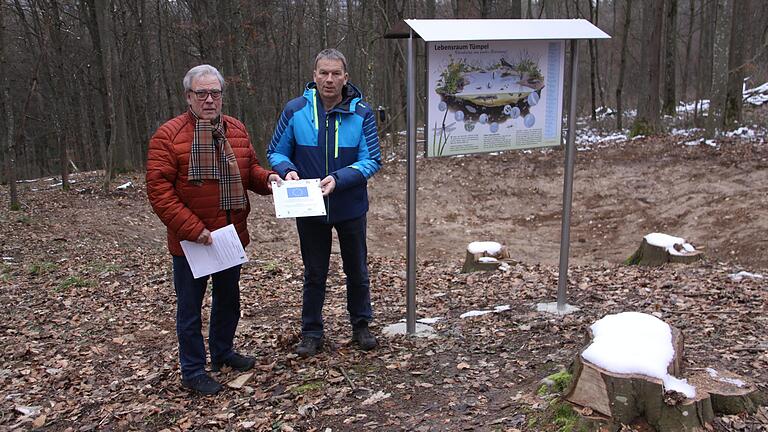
[670, 59]
[719, 67]
[688, 41]
[485, 8]
[19, 139]
[102, 39]
[148, 72]
[648, 107]
[516, 9]
[592, 65]
[323, 24]
[430, 8]
[7, 146]
[741, 27]
[467, 9]
[170, 105]
[226, 11]
[600, 90]
[62, 134]
[623, 63]
[704, 68]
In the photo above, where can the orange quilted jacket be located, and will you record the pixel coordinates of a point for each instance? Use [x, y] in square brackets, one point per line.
[187, 208]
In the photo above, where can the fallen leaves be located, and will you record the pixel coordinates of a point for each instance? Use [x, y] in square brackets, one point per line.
[240, 381]
[104, 356]
[376, 398]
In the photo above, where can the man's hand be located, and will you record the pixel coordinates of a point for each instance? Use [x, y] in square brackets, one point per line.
[273, 178]
[327, 185]
[292, 175]
[205, 237]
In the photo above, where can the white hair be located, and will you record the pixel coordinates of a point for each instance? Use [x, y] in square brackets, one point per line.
[201, 70]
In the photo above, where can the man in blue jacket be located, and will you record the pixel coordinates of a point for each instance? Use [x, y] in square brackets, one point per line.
[330, 134]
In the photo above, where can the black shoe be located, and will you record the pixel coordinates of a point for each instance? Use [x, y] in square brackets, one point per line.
[309, 346]
[364, 339]
[236, 362]
[202, 384]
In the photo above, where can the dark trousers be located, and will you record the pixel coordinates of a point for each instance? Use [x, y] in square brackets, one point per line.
[315, 238]
[225, 314]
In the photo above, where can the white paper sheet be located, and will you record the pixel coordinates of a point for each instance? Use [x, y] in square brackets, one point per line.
[298, 198]
[225, 252]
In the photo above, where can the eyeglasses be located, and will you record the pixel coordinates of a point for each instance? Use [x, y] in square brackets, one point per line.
[202, 95]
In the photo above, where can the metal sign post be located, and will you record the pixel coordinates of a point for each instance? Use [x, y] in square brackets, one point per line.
[411, 193]
[570, 151]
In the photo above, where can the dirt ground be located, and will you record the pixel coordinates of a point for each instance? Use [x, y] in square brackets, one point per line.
[716, 198]
[87, 331]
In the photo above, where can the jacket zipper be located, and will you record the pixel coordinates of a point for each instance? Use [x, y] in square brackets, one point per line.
[336, 135]
[327, 197]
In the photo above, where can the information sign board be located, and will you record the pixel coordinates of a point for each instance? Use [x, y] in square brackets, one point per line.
[487, 96]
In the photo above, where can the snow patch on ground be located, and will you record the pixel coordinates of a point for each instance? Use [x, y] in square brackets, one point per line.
[738, 277]
[474, 313]
[589, 139]
[757, 96]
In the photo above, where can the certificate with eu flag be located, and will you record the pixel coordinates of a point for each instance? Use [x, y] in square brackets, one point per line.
[298, 198]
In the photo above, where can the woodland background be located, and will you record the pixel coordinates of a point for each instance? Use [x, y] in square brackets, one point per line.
[86, 83]
[87, 339]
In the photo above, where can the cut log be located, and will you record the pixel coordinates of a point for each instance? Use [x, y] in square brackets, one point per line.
[651, 255]
[628, 398]
[484, 260]
[730, 393]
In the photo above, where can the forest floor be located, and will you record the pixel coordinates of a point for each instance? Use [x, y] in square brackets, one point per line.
[87, 334]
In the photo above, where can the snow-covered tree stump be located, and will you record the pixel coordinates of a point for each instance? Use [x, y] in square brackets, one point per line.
[619, 377]
[484, 256]
[657, 249]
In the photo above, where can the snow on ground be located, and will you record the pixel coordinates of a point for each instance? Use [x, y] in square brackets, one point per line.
[635, 343]
[738, 277]
[589, 138]
[474, 313]
[685, 132]
[690, 107]
[758, 95]
[744, 132]
[691, 143]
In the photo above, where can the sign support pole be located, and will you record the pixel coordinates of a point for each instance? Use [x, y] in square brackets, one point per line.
[570, 150]
[411, 193]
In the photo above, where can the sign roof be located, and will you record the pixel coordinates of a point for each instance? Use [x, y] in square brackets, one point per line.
[504, 29]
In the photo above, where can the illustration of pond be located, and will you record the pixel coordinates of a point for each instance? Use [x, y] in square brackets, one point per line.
[491, 95]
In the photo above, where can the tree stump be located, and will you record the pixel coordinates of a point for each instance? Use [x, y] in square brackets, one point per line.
[649, 254]
[628, 398]
[484, 260]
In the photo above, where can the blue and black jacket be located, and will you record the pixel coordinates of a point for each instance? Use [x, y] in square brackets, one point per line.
[342, 142]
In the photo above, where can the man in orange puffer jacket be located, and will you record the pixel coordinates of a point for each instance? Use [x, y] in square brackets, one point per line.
[199, 167]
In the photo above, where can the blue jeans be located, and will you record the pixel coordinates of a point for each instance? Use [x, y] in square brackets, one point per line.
[316, 238]
[225, 314]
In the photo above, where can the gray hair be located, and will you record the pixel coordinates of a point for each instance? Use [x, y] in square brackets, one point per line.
[201, 70]
[331, 54]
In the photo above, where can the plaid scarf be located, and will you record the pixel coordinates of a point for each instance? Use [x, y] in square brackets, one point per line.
[212, 158]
